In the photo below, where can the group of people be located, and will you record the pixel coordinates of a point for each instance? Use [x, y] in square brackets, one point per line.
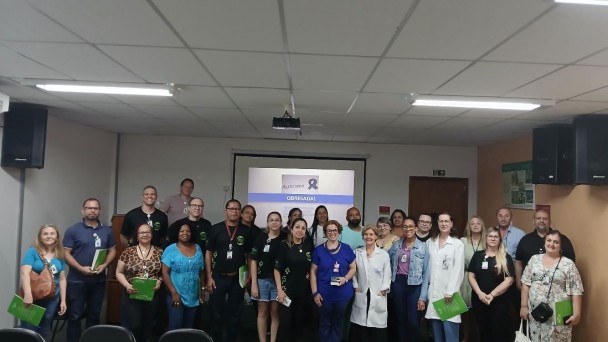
[321, 281]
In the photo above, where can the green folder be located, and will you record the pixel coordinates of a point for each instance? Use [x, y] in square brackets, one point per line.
[561, 310]
[31, 314]
[145, 289]
[99, 258]
[447, 311]
[243, 271]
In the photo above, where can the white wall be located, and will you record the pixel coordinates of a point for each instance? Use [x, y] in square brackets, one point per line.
[165, 161]
[79, 163]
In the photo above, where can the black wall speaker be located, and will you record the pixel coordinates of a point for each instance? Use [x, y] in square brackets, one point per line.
[552, 155]
[24, 136]
[591, 149]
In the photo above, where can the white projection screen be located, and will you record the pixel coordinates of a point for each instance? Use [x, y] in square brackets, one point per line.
[279, 183]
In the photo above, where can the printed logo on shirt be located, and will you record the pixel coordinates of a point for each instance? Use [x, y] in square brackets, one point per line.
[157, 226]
[203, 236]
[308, 256]
[240, 240]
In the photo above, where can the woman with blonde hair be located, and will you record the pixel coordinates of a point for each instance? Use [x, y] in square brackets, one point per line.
[491, 273]
[474, 240]
[47, 250]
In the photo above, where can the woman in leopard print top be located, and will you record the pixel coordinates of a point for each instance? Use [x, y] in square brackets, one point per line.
[139, 261]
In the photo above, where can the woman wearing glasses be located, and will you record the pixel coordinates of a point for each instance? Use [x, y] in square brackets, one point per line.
[385, 237]
[446, 270]
[263, 286]
[551, 278]
[333, 267]
[139, 261]
[490, 274]
[474, 240]
[410, 280]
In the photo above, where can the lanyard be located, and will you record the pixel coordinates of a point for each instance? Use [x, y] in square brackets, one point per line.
[231, 235]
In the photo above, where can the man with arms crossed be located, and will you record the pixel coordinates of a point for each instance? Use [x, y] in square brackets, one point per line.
[86, 286]
[147, 214]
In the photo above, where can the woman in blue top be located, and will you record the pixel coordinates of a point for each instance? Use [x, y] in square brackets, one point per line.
[333, 267]
[410, 263]
[48, 246]
[182, 269]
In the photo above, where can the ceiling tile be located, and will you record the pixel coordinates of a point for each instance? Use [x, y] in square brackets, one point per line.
[131, 22]
[25, 92]
[600, 58]
[78, 61]
[248, 69]
[365, 120]
[330, 72]
[463, 29]
[565, 83]
[228, 24]
[494, 79]
[596, 95]
[20, 21]
[16, 65]
[160, 65]
[380, 103]
[195, 96]
[564, 110]
[259, 97]
[412, 75]
[119, 110]
[563, 35]
[218, 114]
[414, 121]
[435, 111]
[166, 112]
[491, 113]
[459, 123]
[323, 101]
[345, 27]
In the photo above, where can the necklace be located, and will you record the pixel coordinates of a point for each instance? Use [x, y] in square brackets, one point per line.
[142, 253]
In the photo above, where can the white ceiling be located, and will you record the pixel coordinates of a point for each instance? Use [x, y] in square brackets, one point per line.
[347, 64]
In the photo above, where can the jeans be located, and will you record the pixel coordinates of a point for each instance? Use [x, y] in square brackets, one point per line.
[445, 331]
[83, 299]
[406, 298]
[330, 320]
[45, 324]
[179, 317]
[226, 285]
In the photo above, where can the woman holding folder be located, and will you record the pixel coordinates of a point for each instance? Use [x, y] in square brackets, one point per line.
[490, 274]
[138, 271]
[48, 246]
[553, 279]
[446, 270]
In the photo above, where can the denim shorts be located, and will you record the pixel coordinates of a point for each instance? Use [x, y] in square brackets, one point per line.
[267, 289]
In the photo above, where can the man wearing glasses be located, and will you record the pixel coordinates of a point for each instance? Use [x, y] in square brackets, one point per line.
[199, 226]
[425, 222]
[146, 213]
[86, 286]
[228, 247]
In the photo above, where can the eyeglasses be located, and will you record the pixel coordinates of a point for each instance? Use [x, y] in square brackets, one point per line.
[233, 209]
[424, 222]
[493, 237]
[199, 206]
[410, 227]
[274, 220]
[91, 208]
[145, 233]
[331, 231]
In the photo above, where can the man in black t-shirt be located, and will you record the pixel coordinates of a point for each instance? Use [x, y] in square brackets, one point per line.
[228, 247]
[534, 243]
[199, 226]
[147, 213]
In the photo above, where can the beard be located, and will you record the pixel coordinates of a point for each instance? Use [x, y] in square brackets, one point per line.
[354, 223]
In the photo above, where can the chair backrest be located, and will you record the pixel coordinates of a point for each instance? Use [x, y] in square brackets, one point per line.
[105, 333]
[185, 335]
[19, 334]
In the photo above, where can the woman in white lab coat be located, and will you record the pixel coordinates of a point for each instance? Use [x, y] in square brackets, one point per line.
[446, 274]
[371, 282]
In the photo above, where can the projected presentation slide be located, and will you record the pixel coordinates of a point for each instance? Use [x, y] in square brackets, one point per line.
[280, 189]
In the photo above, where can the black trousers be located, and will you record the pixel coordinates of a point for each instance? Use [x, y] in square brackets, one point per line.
[226, 286]
[292, 326]
[493, 320]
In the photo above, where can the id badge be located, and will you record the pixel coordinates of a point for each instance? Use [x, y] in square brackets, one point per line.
[266, 248]
[404, 258]
[97, 243]
[229, 255]
[484, 265]
[53, 269]
[335, 281]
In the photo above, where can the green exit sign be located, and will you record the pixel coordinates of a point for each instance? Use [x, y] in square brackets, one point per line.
[440, 173]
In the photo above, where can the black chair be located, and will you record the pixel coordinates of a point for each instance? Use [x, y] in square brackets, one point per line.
[19, 334]
[185, 335]
[104, 333]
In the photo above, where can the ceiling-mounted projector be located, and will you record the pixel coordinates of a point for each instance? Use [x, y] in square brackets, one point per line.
[286, 122]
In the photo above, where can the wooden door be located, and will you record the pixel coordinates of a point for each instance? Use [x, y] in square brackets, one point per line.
[440, 194]
[114, 289]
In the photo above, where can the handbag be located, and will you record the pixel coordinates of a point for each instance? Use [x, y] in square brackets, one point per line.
[520, 336]
[43, 284]
[543, 311]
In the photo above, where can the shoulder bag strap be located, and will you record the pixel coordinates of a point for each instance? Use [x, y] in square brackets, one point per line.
[551, 284]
